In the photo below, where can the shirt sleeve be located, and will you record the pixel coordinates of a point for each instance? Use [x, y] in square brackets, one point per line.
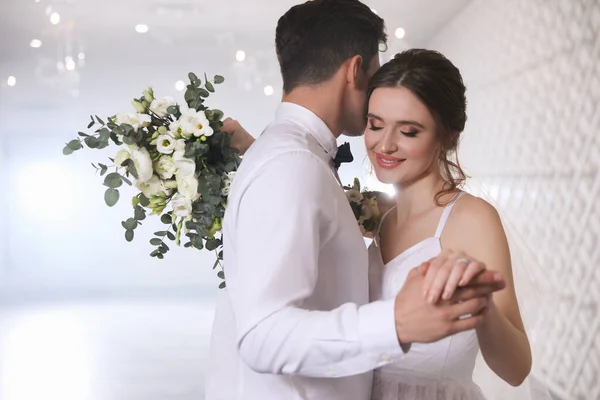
[282, 223]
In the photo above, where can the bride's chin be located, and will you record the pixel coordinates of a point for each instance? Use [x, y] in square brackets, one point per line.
[386, 178]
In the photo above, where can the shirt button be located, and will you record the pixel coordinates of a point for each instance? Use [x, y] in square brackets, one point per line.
[385, 357]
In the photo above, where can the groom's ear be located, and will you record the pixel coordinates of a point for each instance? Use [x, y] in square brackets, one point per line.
[355, 73]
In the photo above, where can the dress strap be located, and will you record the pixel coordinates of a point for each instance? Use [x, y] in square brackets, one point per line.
[446, 214]
[376, 236]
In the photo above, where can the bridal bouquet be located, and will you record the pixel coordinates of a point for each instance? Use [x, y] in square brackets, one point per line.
[364, 205]
[178, 159]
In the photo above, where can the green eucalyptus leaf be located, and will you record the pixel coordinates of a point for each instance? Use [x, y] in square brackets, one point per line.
[209, 87]
[75, 144]
[92, 142]
[139, 213]
[217, 115]
[129, 235]
[155, 242]
[222, 285]
[219, 79]
[131, 223]
[170, 235]
[212, 244]
[113, 180]
[160, 256]
[67, 150]
[166, 219]
[144, 201]
[111, 197]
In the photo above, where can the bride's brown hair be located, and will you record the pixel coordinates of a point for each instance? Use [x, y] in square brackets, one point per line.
[438, 84]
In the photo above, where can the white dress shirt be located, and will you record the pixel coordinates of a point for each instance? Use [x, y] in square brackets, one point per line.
[294, 321]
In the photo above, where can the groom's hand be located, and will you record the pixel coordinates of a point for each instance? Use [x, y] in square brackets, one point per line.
[240, 138]
[417, 320]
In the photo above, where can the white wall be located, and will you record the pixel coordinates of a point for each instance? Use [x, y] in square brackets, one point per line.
[532, 144]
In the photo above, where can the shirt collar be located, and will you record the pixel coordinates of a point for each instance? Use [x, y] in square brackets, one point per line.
[310, 122]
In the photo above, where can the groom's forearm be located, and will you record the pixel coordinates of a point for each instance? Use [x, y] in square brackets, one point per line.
[347, 341]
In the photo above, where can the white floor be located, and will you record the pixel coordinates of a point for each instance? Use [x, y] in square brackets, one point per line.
[109, 350]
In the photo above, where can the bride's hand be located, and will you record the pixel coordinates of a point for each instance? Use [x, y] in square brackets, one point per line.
[240, 138]
[450, 270]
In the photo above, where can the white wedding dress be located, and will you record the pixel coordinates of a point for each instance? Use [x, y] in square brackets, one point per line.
[436, 371]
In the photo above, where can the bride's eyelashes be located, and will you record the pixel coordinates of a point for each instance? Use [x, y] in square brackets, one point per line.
[411, 134]
[375, 128]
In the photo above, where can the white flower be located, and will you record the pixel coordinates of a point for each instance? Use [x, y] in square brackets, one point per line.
[136, 120]
[187, 185]
[182, 206]
[179, 153]
[227, 184]
[195, 122]
[160, 106]
[354, 196]
[143, 163]
[165, 144]
[121, 156]
[185, 167]
[151, 187]
[177, 131]
[165, 167]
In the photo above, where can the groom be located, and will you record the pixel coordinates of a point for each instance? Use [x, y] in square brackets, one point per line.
[295, 321]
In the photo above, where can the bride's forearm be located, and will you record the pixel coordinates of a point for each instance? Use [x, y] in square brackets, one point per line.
[505, 348]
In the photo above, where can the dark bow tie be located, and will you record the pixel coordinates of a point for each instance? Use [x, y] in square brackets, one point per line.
[343, 155]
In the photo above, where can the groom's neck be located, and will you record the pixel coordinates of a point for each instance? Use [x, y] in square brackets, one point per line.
[323, 100]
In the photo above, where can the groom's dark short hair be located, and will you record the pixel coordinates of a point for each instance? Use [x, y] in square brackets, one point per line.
[314, 39]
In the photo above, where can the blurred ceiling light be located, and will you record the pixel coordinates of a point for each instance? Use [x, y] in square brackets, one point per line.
[69, 63]
[37, 1]
[55, 18]
[269, 90]
[11, 81]
[180, 85]
[48, 10]
[141, 28]
[400, 32]
[240, 55]
[36, 43]
[81, 56]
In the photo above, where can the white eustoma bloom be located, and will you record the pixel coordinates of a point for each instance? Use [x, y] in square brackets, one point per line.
[187, 185]
[136, 120]
[121, 156]
[182, 206]
[151, 187]
[165, 167]
[179, 153]
[160, 106]
[143, 163]
[165, 144]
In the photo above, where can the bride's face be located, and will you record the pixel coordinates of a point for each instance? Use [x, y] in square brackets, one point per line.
[400, 136]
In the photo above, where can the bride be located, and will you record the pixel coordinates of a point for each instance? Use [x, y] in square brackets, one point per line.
[416, 113]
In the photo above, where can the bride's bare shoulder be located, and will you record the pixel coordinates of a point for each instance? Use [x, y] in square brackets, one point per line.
[475, 213]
